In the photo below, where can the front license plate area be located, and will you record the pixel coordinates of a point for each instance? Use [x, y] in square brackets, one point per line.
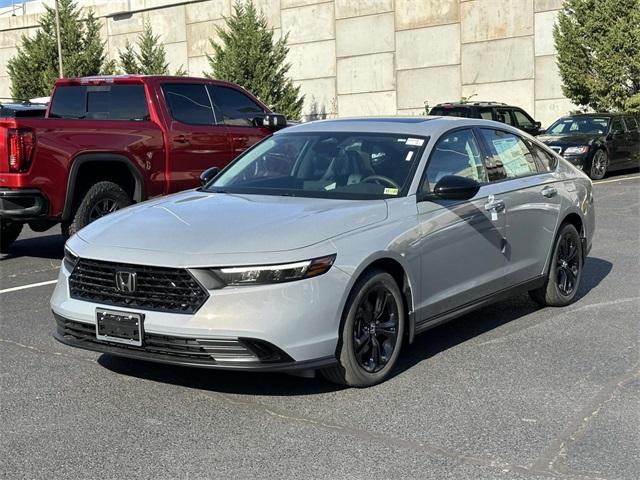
[119, 327]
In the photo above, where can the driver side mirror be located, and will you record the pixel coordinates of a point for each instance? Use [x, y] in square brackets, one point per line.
[272, 121]
[453, 187]
[208, 175]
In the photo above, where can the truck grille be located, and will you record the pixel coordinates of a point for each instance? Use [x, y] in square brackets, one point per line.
[158, 289]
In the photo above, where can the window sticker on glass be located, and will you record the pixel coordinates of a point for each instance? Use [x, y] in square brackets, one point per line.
[417, 142]
[409, 156]
[331, 186]
[514, 159]
[402, 140]
[391, 191]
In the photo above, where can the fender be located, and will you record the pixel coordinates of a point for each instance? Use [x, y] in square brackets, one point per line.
[408, 291]
[99, 157]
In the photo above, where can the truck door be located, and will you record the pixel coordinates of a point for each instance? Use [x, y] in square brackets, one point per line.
[196, 140]
[238, 112]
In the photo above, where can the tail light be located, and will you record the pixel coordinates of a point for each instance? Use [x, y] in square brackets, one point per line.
[20, 142]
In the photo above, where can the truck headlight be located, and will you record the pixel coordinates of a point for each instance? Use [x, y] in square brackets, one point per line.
[264, 274]
[577, 150]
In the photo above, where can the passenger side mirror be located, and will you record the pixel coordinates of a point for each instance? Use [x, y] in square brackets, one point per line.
[455, 187]
[208, 175]
[272, 121]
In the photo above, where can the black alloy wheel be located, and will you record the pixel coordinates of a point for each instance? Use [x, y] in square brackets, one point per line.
[563, 276]
[375, 330]
[102, 208]
[567, 265]
[371, 331]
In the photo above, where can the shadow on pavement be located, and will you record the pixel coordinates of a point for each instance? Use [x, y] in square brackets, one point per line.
[425, 346]
[49, 246]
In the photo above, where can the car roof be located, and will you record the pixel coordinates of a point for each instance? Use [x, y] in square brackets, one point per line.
[419, 126]
[473, 104]
[596, 115]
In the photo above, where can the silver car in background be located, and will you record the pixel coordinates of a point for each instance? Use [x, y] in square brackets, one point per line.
[329, 246]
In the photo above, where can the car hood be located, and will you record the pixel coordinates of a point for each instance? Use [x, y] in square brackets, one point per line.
[569, 140]
[217, 223]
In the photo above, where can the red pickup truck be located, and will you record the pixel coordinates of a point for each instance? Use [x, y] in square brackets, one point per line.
[107, 142]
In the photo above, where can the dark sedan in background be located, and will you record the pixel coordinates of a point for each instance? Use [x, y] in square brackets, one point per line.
[596, 143]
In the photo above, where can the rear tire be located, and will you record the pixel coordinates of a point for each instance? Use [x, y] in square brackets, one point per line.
[565, 270]
[9, 233]
[372, 330]
[100, 200]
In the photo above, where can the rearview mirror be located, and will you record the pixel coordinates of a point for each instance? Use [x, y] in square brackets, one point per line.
[208, 175]
[272, 121]
[454, 187]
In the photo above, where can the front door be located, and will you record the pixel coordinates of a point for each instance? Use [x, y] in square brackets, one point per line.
[196, 141]
[239, 113]
[461, 242]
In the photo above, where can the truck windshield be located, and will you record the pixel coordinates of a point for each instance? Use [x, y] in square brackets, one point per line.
[325, 165]
[100, 102]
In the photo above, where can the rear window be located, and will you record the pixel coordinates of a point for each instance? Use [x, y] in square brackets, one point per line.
[100, 102]
[451, 112]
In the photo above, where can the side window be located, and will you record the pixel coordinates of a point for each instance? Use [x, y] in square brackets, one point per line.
[616, 125]
[189, 103]
[504, 116]
[486, 113]
[522, 120]
[546, 161]
[456, 153]
[632, 124]
[237, 108]
[510, 156]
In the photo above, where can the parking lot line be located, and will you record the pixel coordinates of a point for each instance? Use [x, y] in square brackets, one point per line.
[31, 285]
[636, 177]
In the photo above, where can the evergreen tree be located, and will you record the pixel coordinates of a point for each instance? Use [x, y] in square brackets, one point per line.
[35, 68]
[598, 44]
[249, 56]
[150, 59]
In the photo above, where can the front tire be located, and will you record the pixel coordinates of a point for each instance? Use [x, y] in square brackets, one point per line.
[565, 270]
[372, 331]
[101, 199]
[9, 233]
[599, 165]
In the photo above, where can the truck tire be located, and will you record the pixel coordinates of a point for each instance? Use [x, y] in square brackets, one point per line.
[100, 200]
[9, 232]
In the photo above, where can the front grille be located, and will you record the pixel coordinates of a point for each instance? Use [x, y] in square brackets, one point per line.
[210, 351]
[158, 289]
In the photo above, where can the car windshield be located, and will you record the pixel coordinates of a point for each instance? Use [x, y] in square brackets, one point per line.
[586, 125]
[325, 164]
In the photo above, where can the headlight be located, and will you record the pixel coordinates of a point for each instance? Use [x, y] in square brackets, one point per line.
[264, 274]
[70, 259]
[577, 150]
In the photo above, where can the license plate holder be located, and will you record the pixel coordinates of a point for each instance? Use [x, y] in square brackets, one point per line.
[119, 327]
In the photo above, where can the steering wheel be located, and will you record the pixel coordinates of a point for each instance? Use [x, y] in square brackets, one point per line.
[380, 178]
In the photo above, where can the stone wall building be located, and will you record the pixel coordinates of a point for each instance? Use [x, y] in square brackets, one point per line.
[360, 57]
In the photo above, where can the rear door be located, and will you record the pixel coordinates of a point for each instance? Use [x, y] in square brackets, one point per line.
[196, 140]
[461, 243]
[619, 149]
[527, 189]
[238, 112]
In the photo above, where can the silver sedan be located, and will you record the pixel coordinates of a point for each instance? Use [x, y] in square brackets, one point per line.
[328, 246]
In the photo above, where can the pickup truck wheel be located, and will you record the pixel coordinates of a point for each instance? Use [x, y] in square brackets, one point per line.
[9, 232]
[101, 199]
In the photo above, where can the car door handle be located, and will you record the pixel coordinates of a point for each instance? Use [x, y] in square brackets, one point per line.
[549, 191]
[494, 205]
[181, 139]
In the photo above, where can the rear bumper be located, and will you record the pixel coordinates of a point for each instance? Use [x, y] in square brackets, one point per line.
[187, 351]
[22, 205]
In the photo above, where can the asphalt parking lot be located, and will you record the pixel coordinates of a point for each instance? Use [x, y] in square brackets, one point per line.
[511, 391]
